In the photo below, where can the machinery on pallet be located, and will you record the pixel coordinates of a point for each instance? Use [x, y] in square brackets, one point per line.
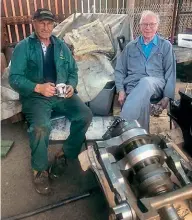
[146, 175]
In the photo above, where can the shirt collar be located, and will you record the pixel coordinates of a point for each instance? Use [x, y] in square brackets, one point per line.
[154, 41]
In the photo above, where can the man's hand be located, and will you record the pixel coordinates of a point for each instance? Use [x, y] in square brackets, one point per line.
[69, 91]
[121, 98]
[46, 89]
[164, 102]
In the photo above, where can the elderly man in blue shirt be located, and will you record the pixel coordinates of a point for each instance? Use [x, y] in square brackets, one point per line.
[145, 71]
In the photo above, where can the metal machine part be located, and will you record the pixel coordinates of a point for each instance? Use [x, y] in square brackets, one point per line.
[168, 212]
[138, 168]
[123, 211]
[175, 163]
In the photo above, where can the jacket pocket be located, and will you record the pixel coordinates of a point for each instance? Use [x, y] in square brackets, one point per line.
[157, 61]
[32, 71]
[159, 73]
[31, 65]
[135, 63]
[134, 55]
[62, 70]
[63, 66]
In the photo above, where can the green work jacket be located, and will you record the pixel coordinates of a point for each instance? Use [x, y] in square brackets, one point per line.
[27, 65]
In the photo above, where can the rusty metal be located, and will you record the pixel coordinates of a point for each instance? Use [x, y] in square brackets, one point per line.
[42, 3]
[69, 3]
[8, 27]
[49, 4]
[185, 12]
[17, 20]
[63, 7]
[168, 27]
[22, 20]
[75, 5]
[56, 7]
[21, 12]
[7, 22]
[35, 4]
[16, 26]
[173, 22]
[4, 35]
[185, 17]
[29, 13]
[177, 17]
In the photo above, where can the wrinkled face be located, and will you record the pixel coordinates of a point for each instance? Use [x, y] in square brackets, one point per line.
[43, 28]
[149, 26]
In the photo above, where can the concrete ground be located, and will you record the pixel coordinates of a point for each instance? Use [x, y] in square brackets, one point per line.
[17, 192]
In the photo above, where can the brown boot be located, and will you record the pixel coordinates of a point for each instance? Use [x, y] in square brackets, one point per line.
[41, 182]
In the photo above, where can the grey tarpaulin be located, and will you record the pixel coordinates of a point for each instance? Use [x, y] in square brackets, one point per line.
[94, 38]
[10, 104]
[95, 71]
[114, 24]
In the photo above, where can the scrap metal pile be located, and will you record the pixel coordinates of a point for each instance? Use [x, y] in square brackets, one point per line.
[146, 175]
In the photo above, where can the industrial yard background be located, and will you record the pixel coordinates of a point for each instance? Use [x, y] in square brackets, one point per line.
[175, 15]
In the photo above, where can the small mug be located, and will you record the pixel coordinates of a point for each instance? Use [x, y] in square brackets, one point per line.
[61, 90]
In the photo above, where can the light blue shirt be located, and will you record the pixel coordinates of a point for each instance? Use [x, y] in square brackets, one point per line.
[148, 47]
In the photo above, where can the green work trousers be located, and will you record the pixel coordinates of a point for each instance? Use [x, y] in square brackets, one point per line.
[38, 112]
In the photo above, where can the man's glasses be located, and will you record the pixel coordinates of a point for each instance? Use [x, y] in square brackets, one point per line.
[151, 25]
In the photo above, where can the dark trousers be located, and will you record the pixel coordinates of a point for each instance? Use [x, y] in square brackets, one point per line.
[38, 112]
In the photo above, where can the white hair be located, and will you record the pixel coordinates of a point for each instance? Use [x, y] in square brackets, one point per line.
[151, 13]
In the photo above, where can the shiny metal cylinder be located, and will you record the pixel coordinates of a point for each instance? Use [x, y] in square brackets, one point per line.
[144, 152]
[171, 197]
[169, 213]
[156, 184]
[124, 211]
[145, 159]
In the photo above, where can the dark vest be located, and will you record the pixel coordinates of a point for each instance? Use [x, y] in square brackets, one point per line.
[49, 68]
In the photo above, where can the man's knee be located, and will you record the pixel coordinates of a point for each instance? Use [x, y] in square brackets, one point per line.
[86, 117]
[148, 86]
[146, 81]
[42, 129]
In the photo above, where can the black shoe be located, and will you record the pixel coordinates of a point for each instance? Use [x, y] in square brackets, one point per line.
[58, 167]
[41, 182]
[118, 127]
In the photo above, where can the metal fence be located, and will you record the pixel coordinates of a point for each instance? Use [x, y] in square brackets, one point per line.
[16, 14]
[185, 16]
[165, 12]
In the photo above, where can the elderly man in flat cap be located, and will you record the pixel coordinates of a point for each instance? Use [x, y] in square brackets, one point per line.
[39, 63]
